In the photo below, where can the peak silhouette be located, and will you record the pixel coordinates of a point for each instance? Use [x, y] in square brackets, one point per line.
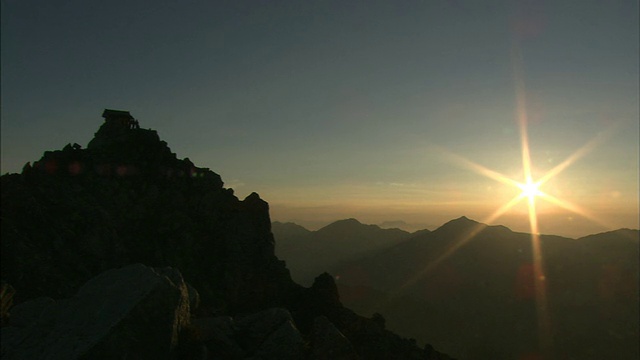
[460, 224]
[463, 220]
[342, 225]
[120, 148]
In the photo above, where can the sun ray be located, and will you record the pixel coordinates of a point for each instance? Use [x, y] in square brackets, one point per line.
[539, 281]
[573, 208]
[582, 151]
[531, 190]
[476, 167]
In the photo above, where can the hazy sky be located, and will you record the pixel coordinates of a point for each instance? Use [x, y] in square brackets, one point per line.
[335, 109]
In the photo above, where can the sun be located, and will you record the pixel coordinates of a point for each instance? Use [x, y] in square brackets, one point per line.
[530, 189]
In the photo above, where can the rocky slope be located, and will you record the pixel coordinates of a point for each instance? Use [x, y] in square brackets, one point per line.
[127, 199]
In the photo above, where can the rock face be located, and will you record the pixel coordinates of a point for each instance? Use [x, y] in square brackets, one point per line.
[128, 199]
[134, 312]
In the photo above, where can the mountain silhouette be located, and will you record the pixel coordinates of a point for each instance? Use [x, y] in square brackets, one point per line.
[481, 289]
[79, 221]
[468, 287]
[312, 252]
[289, 231]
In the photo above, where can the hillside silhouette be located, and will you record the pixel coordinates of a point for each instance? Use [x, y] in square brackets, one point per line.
[122, 250]
[478, 302]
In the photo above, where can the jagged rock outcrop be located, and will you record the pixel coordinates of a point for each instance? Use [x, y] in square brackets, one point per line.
[132, 312]
[128, 199]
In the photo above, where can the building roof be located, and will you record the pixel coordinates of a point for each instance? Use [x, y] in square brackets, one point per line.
[108, 113]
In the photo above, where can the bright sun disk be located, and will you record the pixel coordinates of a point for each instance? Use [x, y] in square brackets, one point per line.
[530, 189]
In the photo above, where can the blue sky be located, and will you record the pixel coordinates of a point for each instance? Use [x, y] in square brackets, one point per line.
[334, 109]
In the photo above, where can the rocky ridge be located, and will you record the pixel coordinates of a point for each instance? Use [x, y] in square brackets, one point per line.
[79, 216]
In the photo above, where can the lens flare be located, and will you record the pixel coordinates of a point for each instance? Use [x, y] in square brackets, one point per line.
[531, 191]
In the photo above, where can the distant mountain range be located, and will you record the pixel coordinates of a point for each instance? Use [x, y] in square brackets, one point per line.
[403, 225]
[308, 253]
[474, 296]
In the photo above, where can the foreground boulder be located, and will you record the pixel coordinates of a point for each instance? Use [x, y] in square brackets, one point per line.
[328, 343]
[132, 312]
[273, 335]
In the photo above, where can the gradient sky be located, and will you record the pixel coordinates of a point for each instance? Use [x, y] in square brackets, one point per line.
[336, 109]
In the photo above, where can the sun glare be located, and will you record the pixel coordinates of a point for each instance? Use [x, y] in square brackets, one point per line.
[530, 189]
[530, 192]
